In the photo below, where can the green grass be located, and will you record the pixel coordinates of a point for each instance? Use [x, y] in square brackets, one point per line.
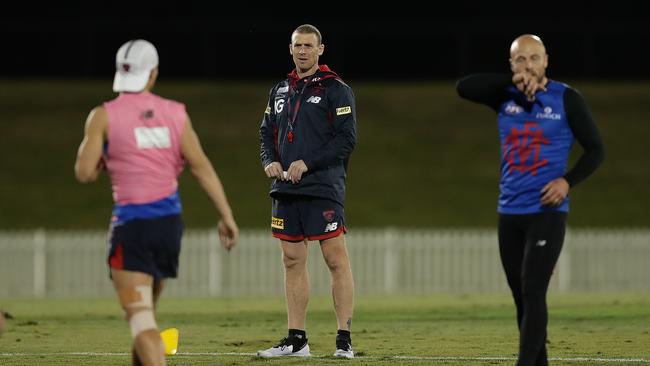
[465, 327]
[425, 158]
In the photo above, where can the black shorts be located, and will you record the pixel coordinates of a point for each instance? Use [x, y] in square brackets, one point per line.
[298, 218]
[147, 245]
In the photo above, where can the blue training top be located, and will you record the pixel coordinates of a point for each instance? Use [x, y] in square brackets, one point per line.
[535, 142]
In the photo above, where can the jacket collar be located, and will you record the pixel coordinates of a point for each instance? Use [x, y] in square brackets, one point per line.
[323, 72]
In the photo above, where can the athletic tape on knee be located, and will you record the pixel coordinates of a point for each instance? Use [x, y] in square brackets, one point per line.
[145, 298]
[141, 321]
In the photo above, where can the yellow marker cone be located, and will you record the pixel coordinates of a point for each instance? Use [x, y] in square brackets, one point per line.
[170, 339]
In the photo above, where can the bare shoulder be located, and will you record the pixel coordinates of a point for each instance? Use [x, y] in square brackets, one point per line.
[99, 112]
[97, 118]
[188, 134]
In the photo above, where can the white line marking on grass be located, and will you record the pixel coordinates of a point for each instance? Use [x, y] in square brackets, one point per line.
[501, 358]
[413, 358]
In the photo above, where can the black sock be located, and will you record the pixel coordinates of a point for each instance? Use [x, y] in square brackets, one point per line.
[297, 336]
[343, 334]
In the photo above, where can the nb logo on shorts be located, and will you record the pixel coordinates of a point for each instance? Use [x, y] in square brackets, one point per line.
[332, 226]
[277, 223]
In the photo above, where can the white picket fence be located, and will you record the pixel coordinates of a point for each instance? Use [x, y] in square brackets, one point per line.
[386, 261]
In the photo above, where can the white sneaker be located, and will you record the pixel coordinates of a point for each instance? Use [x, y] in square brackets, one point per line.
[285, 348]
[343, 349]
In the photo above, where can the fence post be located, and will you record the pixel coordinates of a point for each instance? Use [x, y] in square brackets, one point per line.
[564, 270]
[390, 261]
[39, 263]
[214, 264]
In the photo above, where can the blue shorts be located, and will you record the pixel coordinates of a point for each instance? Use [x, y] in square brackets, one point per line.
[147, 245]
[298, 218]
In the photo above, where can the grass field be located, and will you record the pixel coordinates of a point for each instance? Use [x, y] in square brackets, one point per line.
[433, 330]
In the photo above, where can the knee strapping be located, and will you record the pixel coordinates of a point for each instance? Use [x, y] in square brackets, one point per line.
[141, 321]
[138, 301]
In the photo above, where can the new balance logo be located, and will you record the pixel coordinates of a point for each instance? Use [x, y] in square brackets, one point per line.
[332, 226]
[313, 99]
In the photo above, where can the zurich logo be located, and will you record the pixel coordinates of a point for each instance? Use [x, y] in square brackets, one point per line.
[548, 114]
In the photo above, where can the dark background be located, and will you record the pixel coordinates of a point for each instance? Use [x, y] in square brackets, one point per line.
[400, 41]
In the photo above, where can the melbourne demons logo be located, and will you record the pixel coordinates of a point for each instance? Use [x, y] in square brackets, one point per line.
[329, 215]
[521, 148]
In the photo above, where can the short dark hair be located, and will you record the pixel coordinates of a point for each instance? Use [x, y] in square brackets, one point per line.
[308, 28]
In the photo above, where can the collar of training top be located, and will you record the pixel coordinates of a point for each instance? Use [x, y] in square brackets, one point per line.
[322, 73]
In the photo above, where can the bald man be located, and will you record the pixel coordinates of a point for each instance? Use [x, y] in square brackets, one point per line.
[538, 121]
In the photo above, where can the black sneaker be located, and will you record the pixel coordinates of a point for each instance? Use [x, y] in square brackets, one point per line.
[286, 348]
[343, 348]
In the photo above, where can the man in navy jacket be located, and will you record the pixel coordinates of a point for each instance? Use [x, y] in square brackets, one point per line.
[307, 135]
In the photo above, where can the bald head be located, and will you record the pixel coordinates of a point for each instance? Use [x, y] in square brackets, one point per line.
[527, 41]
[528, 55]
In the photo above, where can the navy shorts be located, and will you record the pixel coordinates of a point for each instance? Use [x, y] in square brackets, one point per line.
[147, 245]
[298, 218]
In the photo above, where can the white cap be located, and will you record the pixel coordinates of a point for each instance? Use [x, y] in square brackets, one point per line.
[134, 62]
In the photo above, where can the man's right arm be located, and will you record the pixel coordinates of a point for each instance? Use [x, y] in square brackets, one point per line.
[268, 135]
[89, 156]
[488, 89]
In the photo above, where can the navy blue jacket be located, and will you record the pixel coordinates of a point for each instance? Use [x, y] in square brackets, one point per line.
[313, 119]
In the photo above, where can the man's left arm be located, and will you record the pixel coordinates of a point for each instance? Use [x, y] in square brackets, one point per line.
[585, 131]
[343, 114]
